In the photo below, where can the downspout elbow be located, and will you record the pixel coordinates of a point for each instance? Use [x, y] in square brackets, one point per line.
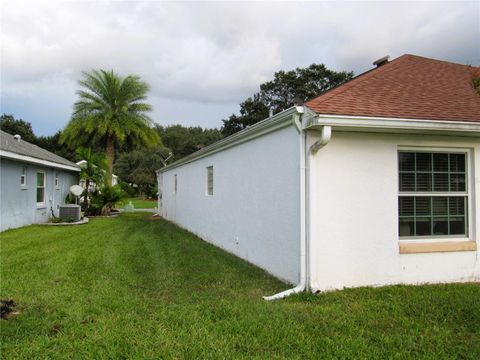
[297, 118]
[325, 137]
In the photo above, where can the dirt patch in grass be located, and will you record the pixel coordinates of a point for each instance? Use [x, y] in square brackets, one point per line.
[56, 328]
[7, 308]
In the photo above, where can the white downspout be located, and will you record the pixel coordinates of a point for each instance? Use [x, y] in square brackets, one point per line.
[306, 153]
[325, 136]
[159, 193]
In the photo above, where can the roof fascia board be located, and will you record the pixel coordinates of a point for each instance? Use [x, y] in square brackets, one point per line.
[30, 159]
[276, 122]
[379, 124]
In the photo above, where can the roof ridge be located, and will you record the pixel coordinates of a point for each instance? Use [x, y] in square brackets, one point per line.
[443, 61]
[355, 81]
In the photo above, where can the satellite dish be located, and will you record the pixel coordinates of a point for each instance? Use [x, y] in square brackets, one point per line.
[76, 190]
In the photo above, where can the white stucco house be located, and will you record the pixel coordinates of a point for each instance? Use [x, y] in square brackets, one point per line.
[375, 182]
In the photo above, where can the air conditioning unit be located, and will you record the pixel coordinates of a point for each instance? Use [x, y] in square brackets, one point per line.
[70, 212]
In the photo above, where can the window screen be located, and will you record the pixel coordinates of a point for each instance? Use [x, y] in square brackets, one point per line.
[23, 177]
[40, 187]
[433, 197]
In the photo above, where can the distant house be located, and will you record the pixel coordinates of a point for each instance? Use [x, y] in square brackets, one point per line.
[375, 182]
[92, 185]
[33, 182]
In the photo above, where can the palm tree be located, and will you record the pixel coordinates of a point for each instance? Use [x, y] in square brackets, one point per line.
[111, 112]
[93, 170]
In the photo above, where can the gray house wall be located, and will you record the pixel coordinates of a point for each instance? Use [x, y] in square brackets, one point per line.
[18, 204]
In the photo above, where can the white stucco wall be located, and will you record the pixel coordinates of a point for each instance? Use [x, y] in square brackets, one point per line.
[254, 212]
[18, 205]
[355, 208]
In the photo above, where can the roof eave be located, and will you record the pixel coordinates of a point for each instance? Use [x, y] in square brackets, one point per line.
[393, 125]
[33, 160]
[276, 122]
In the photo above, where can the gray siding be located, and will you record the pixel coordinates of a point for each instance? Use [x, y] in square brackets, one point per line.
[18, 204]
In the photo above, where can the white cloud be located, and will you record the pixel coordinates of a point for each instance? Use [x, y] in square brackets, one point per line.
[212, 55]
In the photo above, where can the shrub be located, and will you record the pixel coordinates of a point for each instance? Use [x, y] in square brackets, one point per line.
[102, 201]
[128, 189]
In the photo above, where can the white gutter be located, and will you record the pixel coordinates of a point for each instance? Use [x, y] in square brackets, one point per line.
[466, 128]
[306, 153]
[30, 159]
[276, 122]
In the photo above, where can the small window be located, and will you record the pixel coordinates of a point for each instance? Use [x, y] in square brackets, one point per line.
[23, 177]
[175, 183]
[57, 182]
[209, 180]
[40, 188]
[433, 194]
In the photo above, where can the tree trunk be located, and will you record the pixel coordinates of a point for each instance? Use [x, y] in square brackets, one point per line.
[110, 157]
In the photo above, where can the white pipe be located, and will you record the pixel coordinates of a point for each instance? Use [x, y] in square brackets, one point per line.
[305, 157]
[301, 286]
[297, 121]
[324, 139]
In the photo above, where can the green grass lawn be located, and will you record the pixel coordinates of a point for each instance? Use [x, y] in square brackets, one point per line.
[139, 203]
[131, 287]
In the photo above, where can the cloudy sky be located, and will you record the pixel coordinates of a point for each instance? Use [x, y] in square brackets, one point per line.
[203, 58]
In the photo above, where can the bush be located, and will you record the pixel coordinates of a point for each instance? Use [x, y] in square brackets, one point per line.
[70, 199]
[152, 192]
[128, 189]
[102, 201]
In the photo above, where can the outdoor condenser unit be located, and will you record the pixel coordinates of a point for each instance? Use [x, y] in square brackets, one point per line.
[70, 212]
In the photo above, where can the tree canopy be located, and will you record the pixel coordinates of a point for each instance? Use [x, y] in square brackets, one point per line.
[138, 167]
[476, 84]
[183, 141]
[282, 92]
[111, 112]
[13, 126]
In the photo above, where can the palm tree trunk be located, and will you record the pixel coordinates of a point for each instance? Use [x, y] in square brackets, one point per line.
[110, 157]
[85, 197]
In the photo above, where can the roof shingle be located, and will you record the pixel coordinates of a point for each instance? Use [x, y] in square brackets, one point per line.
[22, 147]
[410, 87]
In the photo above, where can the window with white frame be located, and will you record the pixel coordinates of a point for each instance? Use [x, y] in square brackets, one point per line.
[23, 177]
[40, 188]
[433, 194]
[209, 180]
[175, 183]
[57, 181]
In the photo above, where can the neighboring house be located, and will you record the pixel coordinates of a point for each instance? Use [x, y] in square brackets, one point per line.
[375, 182]
[92, 184]
[33, 182]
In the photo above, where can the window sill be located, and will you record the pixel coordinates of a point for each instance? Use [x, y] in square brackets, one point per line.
[24, 188]
[41, 206]
[439, 246]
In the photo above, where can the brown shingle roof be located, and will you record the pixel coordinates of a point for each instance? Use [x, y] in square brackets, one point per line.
[410, 87]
